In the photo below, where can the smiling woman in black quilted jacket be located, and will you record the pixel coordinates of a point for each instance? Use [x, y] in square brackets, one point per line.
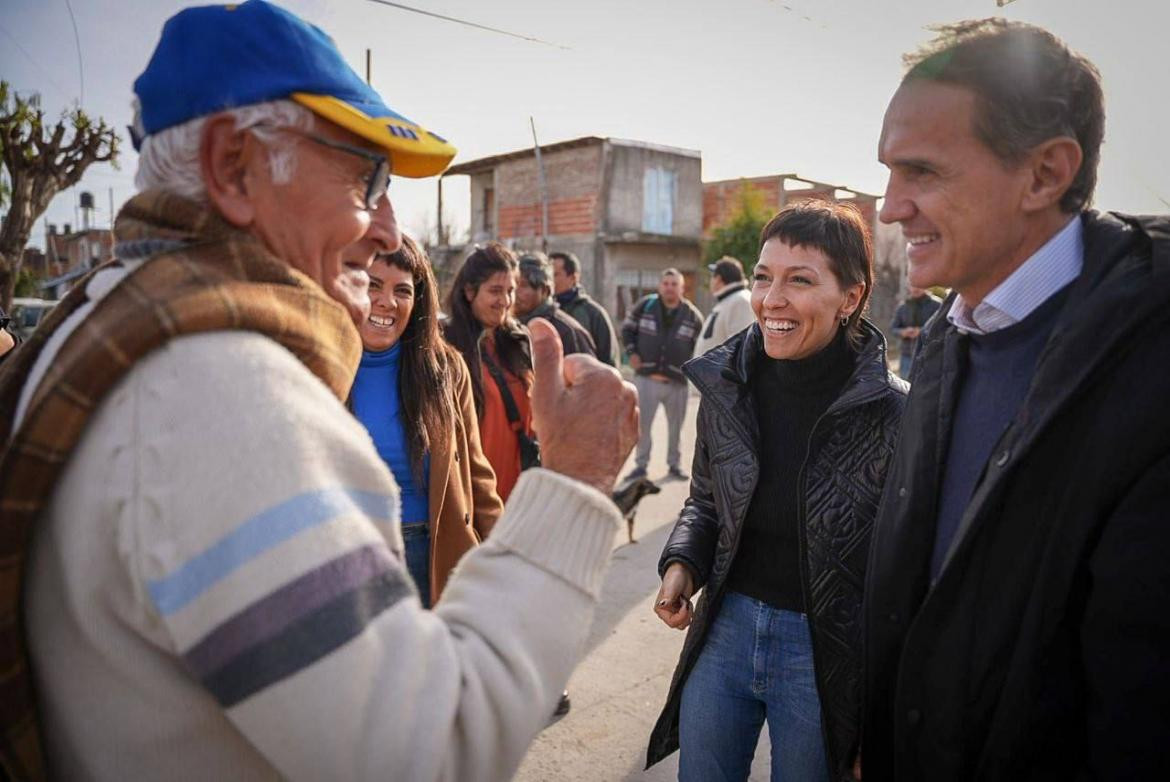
[796, 428]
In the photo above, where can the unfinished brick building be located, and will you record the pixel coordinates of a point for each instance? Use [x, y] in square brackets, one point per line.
[628, 209]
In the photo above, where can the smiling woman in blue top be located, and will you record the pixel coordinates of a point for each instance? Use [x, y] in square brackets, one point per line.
[413, 394]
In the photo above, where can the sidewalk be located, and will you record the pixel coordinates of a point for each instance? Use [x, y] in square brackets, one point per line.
[620, 686]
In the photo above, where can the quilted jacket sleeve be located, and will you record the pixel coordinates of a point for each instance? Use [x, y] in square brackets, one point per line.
[693, 539]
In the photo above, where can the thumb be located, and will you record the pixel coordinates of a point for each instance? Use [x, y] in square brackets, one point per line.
[547, 364]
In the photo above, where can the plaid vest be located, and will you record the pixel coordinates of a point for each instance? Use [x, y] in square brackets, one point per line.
[219, 279]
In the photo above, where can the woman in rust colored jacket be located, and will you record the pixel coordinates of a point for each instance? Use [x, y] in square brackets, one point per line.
[497, 349]
[413, 393]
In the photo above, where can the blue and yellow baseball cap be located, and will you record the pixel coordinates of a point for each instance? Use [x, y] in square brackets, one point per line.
[212, 58]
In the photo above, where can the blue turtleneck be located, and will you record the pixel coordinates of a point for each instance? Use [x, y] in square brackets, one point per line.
[377, 405]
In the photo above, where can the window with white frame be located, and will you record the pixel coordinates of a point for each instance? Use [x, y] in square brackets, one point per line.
[659, 189]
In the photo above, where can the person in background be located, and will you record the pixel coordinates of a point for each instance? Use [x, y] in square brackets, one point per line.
[797, 423]
[907, 324]
[732, 312]
[7, 339]
[580, 306]
[660, 334]
[202, 552]
[413, 393]
[498, 353]
[534, 300]
[1017, 607]
[497, 350]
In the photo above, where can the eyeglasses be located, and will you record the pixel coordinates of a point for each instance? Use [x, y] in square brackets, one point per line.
[377, 181]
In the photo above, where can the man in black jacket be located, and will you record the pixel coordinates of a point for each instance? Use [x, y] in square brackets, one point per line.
[1018, 595]
[660, 334]
[534, 300]
[581, 307]
[909, 318]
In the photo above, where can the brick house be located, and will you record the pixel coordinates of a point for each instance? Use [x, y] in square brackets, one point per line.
[627, 209]
[778, 191]
[71, 254]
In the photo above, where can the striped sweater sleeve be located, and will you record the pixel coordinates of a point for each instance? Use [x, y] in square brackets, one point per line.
[269, 547]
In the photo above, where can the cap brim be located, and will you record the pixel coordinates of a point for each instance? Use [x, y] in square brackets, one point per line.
[414, 151]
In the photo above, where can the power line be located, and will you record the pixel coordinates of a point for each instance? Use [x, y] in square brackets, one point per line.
[44, 71]
[80, 66]
[468, 24]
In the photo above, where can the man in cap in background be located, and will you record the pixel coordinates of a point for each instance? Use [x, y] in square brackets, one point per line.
[214, 587]
[732, 312]
[580, 306]
[659, 334]
[534, 300]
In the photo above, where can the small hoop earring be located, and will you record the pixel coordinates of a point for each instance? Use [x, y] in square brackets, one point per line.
[844, 321]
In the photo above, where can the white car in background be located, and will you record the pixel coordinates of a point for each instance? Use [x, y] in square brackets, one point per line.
[26, 314]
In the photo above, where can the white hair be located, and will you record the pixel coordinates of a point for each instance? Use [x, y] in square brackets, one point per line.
[169, 159]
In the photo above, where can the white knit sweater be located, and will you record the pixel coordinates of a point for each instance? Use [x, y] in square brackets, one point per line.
[217, 592]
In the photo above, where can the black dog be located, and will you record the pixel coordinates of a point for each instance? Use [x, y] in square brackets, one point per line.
[627, 498]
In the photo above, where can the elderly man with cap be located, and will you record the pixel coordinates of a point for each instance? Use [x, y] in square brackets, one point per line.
[732, 312]
[206, 543]
[534, 300]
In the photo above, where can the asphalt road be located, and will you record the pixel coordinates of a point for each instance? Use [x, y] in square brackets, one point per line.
[619, 688]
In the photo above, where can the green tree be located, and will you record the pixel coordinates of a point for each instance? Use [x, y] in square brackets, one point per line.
[40, 162]
[739, 235]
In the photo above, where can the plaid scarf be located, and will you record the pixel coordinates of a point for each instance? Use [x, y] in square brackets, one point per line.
[206, 276]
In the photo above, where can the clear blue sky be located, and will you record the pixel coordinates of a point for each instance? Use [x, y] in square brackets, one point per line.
[759, 86]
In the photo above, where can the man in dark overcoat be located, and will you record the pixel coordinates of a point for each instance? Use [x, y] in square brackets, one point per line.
[1018, 594]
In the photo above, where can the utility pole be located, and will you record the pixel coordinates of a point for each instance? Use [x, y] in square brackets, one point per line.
[440, 239]
[368, 68]
[543, 190]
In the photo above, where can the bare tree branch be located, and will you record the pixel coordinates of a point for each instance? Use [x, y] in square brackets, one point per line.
[39, 166]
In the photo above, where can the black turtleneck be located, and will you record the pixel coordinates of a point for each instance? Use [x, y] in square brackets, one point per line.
[789, 397]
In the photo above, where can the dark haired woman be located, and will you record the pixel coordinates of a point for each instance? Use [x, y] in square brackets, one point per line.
[498, 353]
[413, 394]
[797, 424]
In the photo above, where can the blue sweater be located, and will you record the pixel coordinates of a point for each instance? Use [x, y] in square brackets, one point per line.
[377, 405]
[996, 374]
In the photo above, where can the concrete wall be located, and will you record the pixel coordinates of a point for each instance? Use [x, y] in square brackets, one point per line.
[628, 167]
[624, 260]
[483, 226]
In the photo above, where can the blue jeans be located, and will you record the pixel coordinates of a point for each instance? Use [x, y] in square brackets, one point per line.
[905, 364]
[756, 664]
[417, 538]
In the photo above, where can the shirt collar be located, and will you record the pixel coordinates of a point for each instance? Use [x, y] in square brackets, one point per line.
[1049, 269]
[730, 288]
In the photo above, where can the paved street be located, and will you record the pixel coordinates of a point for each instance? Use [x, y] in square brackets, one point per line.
[620, 686]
